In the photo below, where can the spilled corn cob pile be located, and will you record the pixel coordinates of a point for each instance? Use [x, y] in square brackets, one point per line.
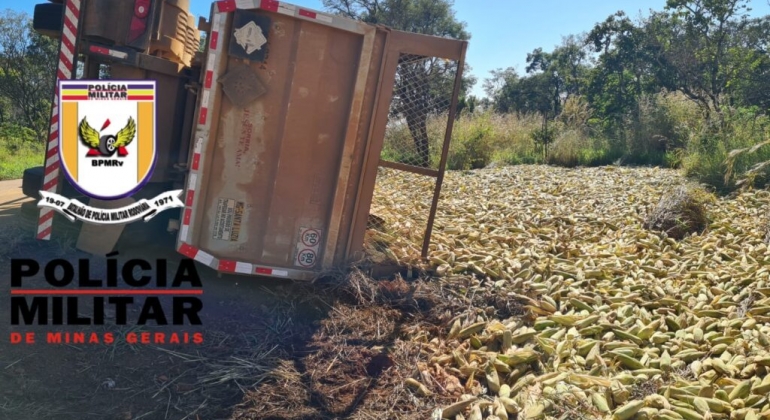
[615, 321]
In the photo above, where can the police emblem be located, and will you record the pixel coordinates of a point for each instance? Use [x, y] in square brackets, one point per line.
[107, 148]
[105, 160]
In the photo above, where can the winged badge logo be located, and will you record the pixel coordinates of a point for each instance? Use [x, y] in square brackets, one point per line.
[106, 145]
[104, 161]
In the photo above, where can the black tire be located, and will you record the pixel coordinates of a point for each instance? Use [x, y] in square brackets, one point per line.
[106, 145]
[32, 182]
[153, 232]
[47, 19]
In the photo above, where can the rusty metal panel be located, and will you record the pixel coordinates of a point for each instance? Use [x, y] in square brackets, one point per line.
[275, 159]
[162, 28]
[287, 138]
[110, 31]
[352, 160]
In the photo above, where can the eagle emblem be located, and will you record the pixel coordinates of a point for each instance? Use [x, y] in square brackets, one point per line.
[108, 144]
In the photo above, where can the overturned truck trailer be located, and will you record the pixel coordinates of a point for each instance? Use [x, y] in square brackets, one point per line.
[281, 153]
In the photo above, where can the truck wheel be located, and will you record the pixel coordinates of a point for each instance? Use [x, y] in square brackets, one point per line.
[47, 19]
[107, 145]
[32, 182]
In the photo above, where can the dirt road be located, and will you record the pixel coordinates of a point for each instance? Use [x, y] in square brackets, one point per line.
[10, 194]
[271, 349]
[124, 380]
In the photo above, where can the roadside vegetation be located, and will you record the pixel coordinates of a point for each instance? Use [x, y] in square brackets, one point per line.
[679, 88]
[548, 292]
[27, 64]
[19, 150]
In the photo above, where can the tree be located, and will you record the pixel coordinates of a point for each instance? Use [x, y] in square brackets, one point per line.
[699, 51]
[551, 79]
[423, 84]
[467, 105]
[499, 78]
[624, 70]
[564, 69]
[531, 94]
[27, 71]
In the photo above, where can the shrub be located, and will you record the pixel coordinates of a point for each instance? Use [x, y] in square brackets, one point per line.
[659, 124]
[478, 139]
[19, 150]
[472, 143]
[512, 140]
[398, 145]
[575, 148]
[707, 153]
[665, 129]
[543, 138]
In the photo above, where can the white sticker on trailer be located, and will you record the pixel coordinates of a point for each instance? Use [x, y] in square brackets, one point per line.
[228, 218]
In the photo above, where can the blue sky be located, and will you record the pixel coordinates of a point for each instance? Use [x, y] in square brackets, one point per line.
[503, 31]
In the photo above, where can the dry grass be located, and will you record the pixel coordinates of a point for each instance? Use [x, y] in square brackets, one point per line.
[356, 362]
[681, 213]
[478, 139]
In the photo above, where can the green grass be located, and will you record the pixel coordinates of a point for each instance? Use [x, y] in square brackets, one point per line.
[18, 151]
[667, 130]
[706, 154]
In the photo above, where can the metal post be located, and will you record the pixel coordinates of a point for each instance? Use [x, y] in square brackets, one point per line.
[444, 152]
[66, 69]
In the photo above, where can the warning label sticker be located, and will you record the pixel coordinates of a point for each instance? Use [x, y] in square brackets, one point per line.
[227, 221]
[250, 37]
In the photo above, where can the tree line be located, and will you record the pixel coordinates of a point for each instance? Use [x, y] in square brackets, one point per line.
[607, 80]
[27, 72]
[709, 50]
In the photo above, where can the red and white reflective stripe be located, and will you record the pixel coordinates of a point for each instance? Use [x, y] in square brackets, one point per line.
[107, 51]
[209, 80]
[270, 271]
[64, 71]
[229, 266]
[202, 257]
[315, 15]
[192, 185]
[278, 7]
[201, 135]
[273, 6]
